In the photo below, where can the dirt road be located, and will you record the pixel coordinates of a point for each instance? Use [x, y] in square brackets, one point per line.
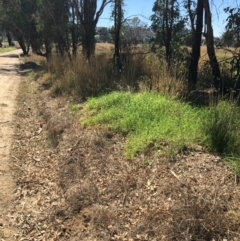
[9, 81]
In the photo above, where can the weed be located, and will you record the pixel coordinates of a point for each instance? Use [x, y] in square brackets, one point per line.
[234, 162]
[81, 77]
[147, 119]
[75, 108]
[221, 128]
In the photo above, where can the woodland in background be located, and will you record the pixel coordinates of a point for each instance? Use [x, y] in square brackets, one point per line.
[68, 29]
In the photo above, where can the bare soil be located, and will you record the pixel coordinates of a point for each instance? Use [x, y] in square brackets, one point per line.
[73, 183]
[9, 82]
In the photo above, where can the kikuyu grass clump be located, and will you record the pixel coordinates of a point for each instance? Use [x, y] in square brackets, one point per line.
[154, 121]
[148, 119]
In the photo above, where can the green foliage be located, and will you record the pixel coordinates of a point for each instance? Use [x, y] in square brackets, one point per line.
[149, 120]
[227, 39]
[234, 162]
[233, 23]
[168, 25]
[221, 128]
[154, 122]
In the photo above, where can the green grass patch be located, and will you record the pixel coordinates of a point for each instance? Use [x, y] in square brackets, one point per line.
[160, 123]
[6, 49]
[149, 120]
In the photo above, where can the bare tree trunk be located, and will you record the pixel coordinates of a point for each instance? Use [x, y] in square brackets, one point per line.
[73, 33]
[89, 16]
[196, 46]
[118, 25]
[88, 40]
[210, 48]
[48, 50]
[9, 38]
[191, 15]
[23, 45]
[169, 25]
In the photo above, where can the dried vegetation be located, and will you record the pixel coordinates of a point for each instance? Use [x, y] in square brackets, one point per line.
[81, 187]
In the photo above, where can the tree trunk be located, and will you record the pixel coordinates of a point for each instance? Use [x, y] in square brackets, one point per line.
[73, 33]
[196, 46]
[62, 45]
[118, 24]
[48, 50]
[88, 40]
[210, 48]
[89, 16]
[169, 25]
[9, 38]
[24, 47]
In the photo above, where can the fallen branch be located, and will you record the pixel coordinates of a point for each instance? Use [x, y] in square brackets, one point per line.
[175, 175]
[2, 122]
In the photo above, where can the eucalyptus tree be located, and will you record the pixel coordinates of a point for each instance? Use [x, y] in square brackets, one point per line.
[51, 20]
[104, 35]
[14, 22]
[196, 19]
[167, 24]
[200, 15]
[135, 31]
[37, 23]
[74, 27]
[233, 24]
[233, 30]
[88, 16]
[61, 13]
[118, 19]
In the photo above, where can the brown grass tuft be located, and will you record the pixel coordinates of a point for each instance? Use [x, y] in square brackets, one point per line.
[55, 127]
[81, 195]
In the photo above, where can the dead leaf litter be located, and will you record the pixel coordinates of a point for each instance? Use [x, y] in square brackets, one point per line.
[73, 183]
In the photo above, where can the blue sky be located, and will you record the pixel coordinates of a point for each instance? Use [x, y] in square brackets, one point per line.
[144, 8]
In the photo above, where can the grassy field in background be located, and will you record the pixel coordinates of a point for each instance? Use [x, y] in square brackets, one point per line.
[220, 53]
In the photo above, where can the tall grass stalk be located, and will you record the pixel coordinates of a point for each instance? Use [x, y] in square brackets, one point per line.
[100, 75]
[222, 128]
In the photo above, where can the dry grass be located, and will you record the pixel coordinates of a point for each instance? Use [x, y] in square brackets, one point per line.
[100, 195]
[104, 48]
[129, 200]
[220, 53]
[140, 72]
[100, 75]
